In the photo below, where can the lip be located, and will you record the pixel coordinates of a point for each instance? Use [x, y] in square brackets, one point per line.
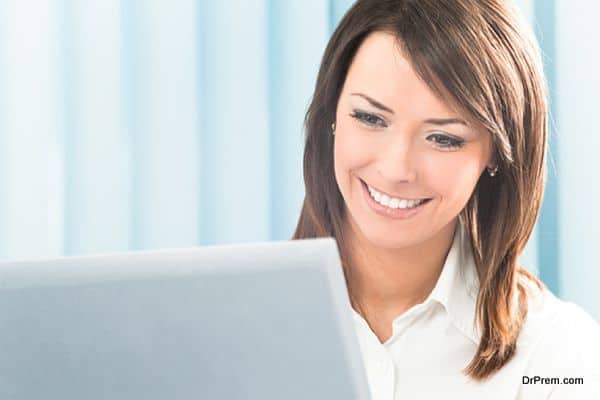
[384, 211]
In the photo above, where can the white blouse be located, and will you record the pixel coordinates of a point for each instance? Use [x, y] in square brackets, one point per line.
[434, 341]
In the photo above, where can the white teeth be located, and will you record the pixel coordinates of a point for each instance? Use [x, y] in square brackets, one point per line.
[393, 202]
[385, 200]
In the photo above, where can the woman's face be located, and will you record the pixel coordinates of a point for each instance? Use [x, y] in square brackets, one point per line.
[396, 136]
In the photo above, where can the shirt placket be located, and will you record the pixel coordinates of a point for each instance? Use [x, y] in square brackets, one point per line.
[386, 372]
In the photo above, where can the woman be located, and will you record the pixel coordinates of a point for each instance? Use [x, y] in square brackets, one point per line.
[425, 158]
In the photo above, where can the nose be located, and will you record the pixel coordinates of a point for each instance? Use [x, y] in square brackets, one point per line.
[396, 162]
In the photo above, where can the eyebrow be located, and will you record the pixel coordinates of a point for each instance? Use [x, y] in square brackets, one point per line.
[432, 121]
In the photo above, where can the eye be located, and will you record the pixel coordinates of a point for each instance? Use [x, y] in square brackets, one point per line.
[371, 120]
[447, 142]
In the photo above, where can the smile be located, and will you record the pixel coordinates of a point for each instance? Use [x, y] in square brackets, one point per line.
[393, 207]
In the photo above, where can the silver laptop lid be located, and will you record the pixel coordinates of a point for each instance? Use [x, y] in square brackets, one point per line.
[246, 321]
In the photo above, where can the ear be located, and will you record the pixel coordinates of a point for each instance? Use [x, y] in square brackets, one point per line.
[492, 160]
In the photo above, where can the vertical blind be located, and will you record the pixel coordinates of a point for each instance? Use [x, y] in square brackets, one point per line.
[138, 124]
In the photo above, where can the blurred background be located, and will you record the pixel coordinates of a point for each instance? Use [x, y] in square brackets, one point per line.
[143, 124]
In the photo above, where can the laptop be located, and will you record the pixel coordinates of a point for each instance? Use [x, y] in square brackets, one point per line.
[268, 320]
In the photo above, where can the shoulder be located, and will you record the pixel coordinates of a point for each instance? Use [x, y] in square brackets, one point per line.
[559, 324]
[568, 326]
[555, 320]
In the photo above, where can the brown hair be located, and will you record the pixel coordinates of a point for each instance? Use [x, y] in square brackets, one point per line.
[479, 55]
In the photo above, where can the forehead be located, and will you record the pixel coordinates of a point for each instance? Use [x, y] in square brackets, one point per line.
[381, 70]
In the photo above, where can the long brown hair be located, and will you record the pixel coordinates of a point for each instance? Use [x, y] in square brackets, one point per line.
[481, 56]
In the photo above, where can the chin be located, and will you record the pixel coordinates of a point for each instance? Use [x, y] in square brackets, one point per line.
[387, 240]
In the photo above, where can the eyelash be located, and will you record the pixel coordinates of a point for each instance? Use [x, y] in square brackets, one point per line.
[373, 121]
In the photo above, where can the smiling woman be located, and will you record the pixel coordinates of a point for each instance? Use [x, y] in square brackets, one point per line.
[425, 159]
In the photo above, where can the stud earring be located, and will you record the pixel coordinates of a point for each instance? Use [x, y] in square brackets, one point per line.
[493, 171]
[333, 128]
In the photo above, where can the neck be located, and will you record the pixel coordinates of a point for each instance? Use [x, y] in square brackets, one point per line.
[387, 281]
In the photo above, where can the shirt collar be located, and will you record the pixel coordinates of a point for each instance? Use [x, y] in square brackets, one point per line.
[458, 285]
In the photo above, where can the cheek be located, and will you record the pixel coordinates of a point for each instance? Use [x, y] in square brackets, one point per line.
[453, 177]
[350, 153]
